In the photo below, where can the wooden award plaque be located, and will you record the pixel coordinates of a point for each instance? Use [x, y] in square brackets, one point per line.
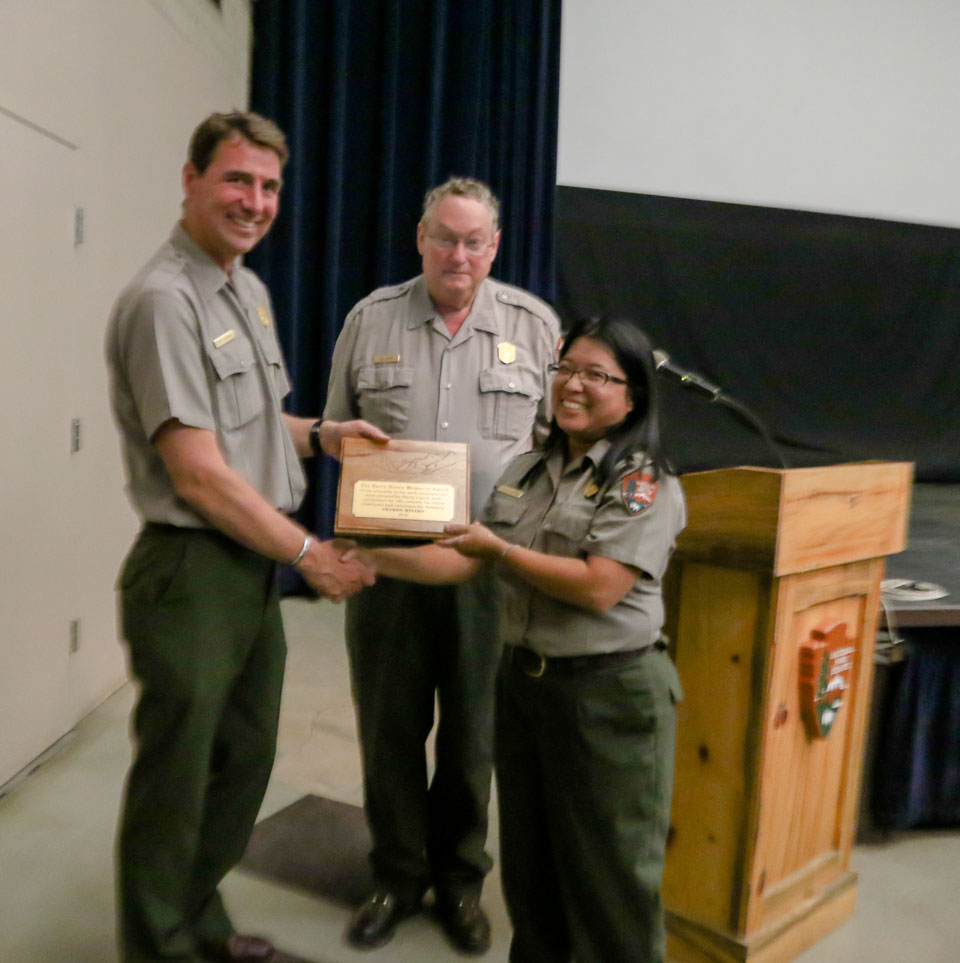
[401, 488]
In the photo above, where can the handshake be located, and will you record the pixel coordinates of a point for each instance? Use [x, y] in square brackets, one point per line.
[335, 569]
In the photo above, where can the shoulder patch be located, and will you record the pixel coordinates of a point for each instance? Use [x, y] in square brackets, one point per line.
[638, 490]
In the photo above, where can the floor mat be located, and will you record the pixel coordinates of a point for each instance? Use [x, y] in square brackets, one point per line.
[315, 844]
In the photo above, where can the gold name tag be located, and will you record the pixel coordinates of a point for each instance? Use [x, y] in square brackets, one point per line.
[386, 359]
[224, 338]
[512, 492]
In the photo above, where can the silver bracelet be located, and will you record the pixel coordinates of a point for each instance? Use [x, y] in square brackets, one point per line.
[505, 552]
[307, 542]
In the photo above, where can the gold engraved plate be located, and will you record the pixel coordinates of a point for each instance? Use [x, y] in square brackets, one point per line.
[386, 359]
[507, 352]
[512, 492]
[403, 500]
[224, 338]
[264, 316]
[591, 490]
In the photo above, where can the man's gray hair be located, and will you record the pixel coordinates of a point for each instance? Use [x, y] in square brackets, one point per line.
[462, 187]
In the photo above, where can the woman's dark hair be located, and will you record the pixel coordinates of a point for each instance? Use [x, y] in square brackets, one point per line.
[640, 430]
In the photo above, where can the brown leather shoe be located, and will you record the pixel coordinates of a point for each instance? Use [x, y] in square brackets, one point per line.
[376, 920]
[242, 948]
[465, 923]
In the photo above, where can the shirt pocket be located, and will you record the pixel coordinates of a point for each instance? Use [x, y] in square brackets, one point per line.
[239, 390]
[565, 530]
[503, 511]
[383, 394]
[278, 374]
[508, 402]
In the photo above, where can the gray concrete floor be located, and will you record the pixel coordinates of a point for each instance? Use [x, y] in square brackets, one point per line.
[57, 832]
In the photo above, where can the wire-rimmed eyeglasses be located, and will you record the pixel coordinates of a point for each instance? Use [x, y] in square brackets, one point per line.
[593, 377]
[448, 242]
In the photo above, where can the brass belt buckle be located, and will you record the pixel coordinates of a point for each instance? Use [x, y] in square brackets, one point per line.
[540, 669]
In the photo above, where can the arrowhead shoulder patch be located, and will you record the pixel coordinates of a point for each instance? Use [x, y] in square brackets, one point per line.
[638, 490]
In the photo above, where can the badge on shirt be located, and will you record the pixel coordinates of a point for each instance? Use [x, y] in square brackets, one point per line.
[264, 316]
[638, 491]
[224, 338]
[507, 352]
[590, 489]
[512, 492]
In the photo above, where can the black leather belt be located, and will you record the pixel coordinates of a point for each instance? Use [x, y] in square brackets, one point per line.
[535, 665]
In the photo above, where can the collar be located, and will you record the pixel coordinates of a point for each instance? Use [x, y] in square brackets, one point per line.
[592, 457]
[583, 466]
[206, 274]
[597, 450]
[482, 316]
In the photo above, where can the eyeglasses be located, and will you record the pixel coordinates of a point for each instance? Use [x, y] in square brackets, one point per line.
[588, 376]
[449, 242]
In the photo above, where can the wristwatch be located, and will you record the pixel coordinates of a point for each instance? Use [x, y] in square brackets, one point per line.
[314, 436]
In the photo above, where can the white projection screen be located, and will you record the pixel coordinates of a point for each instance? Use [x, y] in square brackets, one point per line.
[838, 106]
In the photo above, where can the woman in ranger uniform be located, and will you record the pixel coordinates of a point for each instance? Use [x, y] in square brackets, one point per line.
[580, 533]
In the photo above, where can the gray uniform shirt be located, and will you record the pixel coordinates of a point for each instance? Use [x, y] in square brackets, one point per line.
[396, 365]
[540, 504]
[186, 341]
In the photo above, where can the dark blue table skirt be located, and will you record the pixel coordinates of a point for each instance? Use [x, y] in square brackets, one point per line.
[917, 762]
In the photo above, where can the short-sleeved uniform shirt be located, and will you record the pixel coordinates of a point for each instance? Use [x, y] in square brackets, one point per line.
[186, 341]
[396, 365]
[559, 510]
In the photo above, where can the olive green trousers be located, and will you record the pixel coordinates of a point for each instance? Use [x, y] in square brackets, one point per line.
[584, 765]
[201, 617]
[414, 647]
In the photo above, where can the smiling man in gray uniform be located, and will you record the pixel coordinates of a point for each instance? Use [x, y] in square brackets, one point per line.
[213, 469]
[451, 355]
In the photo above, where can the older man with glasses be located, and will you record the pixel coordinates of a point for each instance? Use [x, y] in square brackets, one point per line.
[451, 355]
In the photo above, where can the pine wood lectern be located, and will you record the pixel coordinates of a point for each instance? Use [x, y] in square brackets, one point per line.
[773, 598]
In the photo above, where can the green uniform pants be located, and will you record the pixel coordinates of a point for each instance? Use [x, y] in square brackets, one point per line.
[409, 646]
[201, 617]
[584, 778]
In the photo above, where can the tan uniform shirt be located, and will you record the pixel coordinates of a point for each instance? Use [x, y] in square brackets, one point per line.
[540, 504]
[396, 365]
[186, 341]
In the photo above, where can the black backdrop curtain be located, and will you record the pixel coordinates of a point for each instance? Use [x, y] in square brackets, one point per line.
[842, 333]
[380, 100]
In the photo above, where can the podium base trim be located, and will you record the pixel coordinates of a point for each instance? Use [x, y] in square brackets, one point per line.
[778, 942]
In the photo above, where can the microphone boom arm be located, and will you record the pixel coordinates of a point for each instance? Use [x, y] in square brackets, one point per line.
[687, 379]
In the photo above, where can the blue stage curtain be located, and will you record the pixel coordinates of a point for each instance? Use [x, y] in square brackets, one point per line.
[917, 766]
[381, 100]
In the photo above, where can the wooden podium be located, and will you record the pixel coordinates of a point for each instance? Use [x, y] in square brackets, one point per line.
[773, 598]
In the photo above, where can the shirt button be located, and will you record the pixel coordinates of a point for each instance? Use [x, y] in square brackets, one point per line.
[444, 424]
[510, 384]
[448, 386]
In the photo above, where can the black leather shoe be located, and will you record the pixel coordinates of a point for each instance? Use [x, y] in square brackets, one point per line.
[375, 921]
[465, 923]
[240, 948]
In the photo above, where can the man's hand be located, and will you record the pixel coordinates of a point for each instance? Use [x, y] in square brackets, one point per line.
[331, 433]
[333, 571]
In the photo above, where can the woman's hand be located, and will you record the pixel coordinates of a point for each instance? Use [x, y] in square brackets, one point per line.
[474, 541]
[350, 551]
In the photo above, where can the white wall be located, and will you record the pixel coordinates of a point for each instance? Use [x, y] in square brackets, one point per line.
[97, 102]
[845, 106]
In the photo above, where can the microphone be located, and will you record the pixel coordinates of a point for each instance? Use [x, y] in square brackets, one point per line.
[664, 366]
